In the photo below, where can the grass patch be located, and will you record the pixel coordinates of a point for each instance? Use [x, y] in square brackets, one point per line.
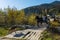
[54, 23]
[3, 31]
[20, 28]
[47, 35]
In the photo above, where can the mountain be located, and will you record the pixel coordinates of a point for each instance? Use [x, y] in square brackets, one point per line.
[39, 8]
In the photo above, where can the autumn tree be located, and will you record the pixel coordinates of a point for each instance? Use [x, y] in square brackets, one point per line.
[12, 15]
[31, 19]
[21, 17]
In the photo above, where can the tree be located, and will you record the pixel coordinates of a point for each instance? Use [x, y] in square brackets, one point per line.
[31, 19]
[1, 17]
[21, 17]
[12, 15]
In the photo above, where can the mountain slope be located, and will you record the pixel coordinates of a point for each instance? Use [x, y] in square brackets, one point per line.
[38, 9]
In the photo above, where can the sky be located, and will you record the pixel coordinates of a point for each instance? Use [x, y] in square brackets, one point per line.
[21, 4]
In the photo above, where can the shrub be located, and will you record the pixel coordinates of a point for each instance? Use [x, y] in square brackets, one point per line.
[3, 32]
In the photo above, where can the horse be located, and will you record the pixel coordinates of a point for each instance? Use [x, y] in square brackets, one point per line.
[41, 20]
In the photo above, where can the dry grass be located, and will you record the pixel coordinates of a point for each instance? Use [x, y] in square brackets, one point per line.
[54, 23]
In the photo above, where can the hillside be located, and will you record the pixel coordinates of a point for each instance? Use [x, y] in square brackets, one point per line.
[41, 8]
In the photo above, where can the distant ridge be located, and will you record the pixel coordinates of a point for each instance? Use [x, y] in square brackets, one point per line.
[38, 8]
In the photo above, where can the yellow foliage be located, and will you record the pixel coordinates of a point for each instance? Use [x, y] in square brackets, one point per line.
[31, 19]
[20, 17]
[54, 23]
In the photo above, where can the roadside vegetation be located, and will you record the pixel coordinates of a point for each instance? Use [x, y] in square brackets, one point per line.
[5, 30]
[52, 33]
[55, 24]
[47, 35]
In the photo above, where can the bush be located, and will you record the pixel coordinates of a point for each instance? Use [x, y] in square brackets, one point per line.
[3, 31]
[54, 24]
[47, 35]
